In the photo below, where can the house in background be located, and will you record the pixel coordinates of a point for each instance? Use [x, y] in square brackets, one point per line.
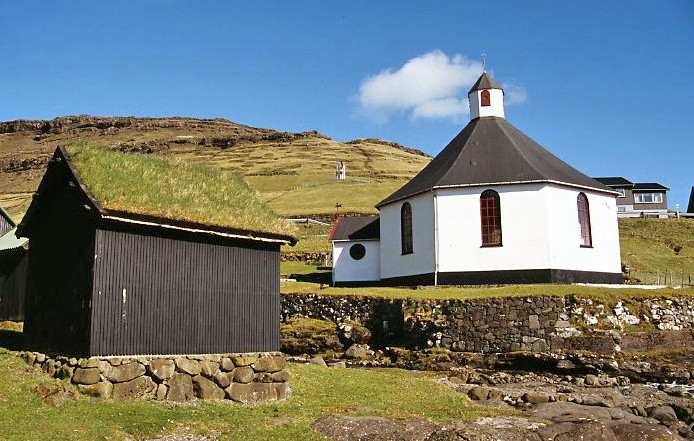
[115, 277]
[638, 199]
[690, 208]
[493, 207]
[13, 269]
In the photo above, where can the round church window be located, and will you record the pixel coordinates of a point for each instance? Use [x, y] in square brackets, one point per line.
[357, 251]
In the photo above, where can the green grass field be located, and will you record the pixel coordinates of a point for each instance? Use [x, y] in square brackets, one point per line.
[317, 391]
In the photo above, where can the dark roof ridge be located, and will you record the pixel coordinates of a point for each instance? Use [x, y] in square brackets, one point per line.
[515, 144]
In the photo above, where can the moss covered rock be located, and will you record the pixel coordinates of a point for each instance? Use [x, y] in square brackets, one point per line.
[309, 336]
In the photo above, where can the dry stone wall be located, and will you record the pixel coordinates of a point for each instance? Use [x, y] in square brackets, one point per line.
[243, 378]
[498, 325]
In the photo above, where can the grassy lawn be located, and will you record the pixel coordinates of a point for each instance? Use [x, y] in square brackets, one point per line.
[608, 295]
[317, 391]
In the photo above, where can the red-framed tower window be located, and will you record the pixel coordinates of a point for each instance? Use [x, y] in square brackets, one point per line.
[490, 212]
[584, 220]
[406, 228]
[485, 99]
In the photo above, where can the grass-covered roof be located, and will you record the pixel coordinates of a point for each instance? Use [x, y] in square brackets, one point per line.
[169, 188]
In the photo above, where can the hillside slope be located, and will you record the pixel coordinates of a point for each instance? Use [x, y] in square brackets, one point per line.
[293, 172]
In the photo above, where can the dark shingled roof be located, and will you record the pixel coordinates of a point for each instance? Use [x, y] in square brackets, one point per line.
[615, 181]
[690, 208]
[644, 186]
[490, 151]
[356, 228]
[485, 81]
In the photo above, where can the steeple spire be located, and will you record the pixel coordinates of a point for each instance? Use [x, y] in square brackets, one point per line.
[486, 96]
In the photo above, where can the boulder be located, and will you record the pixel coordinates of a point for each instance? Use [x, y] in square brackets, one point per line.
[643, 432]
[243, 374]
[188, 366]
[357, 351]
[161, 368]
[89, 375]
[140, 387]
[269, 363]
[283, 391]
[251, 393]
[209, 368]
[535, 398]
[226, 365]
[338, 365]
[281, 376]
[585, 431]
[664, 414]
[124, 372]
[206, 389]
[478, 393]
[318, 361]
[340, 427]
[162, 389]
[180, 388]
[243, 360]
[102, 389]
[222, 379]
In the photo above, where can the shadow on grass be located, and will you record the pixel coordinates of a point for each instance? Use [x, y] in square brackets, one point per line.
[12, 340]
[320, 277]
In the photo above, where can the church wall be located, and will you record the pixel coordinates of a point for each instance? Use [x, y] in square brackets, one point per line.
[347, 269]
[564, 230]
[421, 261]
[524, 225]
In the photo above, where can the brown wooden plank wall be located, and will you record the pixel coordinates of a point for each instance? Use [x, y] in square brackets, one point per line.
[183, 296]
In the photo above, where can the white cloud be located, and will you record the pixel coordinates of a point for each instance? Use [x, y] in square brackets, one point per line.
[432, 85]
[514, 94]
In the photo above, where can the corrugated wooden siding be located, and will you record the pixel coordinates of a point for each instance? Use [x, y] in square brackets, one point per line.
[5, 226]
[157, 295]
[13, 289]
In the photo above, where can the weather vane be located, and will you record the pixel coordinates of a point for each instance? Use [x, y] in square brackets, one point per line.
[484, 62]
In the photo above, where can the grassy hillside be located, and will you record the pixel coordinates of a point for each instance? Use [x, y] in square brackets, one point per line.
[649, 249]
[292, 172]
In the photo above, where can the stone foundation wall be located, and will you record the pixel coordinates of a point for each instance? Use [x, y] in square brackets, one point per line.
[506, 324]
[243, 378]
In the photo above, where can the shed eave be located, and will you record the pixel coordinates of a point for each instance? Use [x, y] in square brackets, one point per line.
[199, 230]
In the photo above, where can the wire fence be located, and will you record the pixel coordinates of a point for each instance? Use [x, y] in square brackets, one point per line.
[661, 277]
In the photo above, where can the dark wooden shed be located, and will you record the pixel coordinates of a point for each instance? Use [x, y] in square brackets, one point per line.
[13, 269]
[110, 275]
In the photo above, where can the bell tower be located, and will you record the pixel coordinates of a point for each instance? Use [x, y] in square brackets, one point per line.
[486, 98]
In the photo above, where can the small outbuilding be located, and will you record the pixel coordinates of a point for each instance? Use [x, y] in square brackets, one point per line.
[13, 269]
[137, 254]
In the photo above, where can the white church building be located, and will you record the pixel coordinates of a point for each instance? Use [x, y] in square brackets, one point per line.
[493, 207]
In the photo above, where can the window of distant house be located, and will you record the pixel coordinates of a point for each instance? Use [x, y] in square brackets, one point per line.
[648, 198]
[622, 192]
[406, 228]
[485, 99]
[357, 251]
[490, 212]
[584, 220]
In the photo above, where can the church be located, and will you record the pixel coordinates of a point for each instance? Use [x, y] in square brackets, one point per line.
[493, 207]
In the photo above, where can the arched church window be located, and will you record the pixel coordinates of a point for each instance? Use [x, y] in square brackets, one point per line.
[406, 228]
[584, 220]
[490, 212]
[485, 99]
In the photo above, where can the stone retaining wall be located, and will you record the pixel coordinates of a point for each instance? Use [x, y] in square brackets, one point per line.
[505, 324]
[243, 378]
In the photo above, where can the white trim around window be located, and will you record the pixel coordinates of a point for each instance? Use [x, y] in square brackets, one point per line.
[648, 198]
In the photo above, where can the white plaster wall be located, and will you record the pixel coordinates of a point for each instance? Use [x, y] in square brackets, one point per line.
[524, 229]
[346, 269]
[496, 99]
[565, 250]
[421, 261]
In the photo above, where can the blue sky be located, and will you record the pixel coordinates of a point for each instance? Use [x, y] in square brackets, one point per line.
[606, 86]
